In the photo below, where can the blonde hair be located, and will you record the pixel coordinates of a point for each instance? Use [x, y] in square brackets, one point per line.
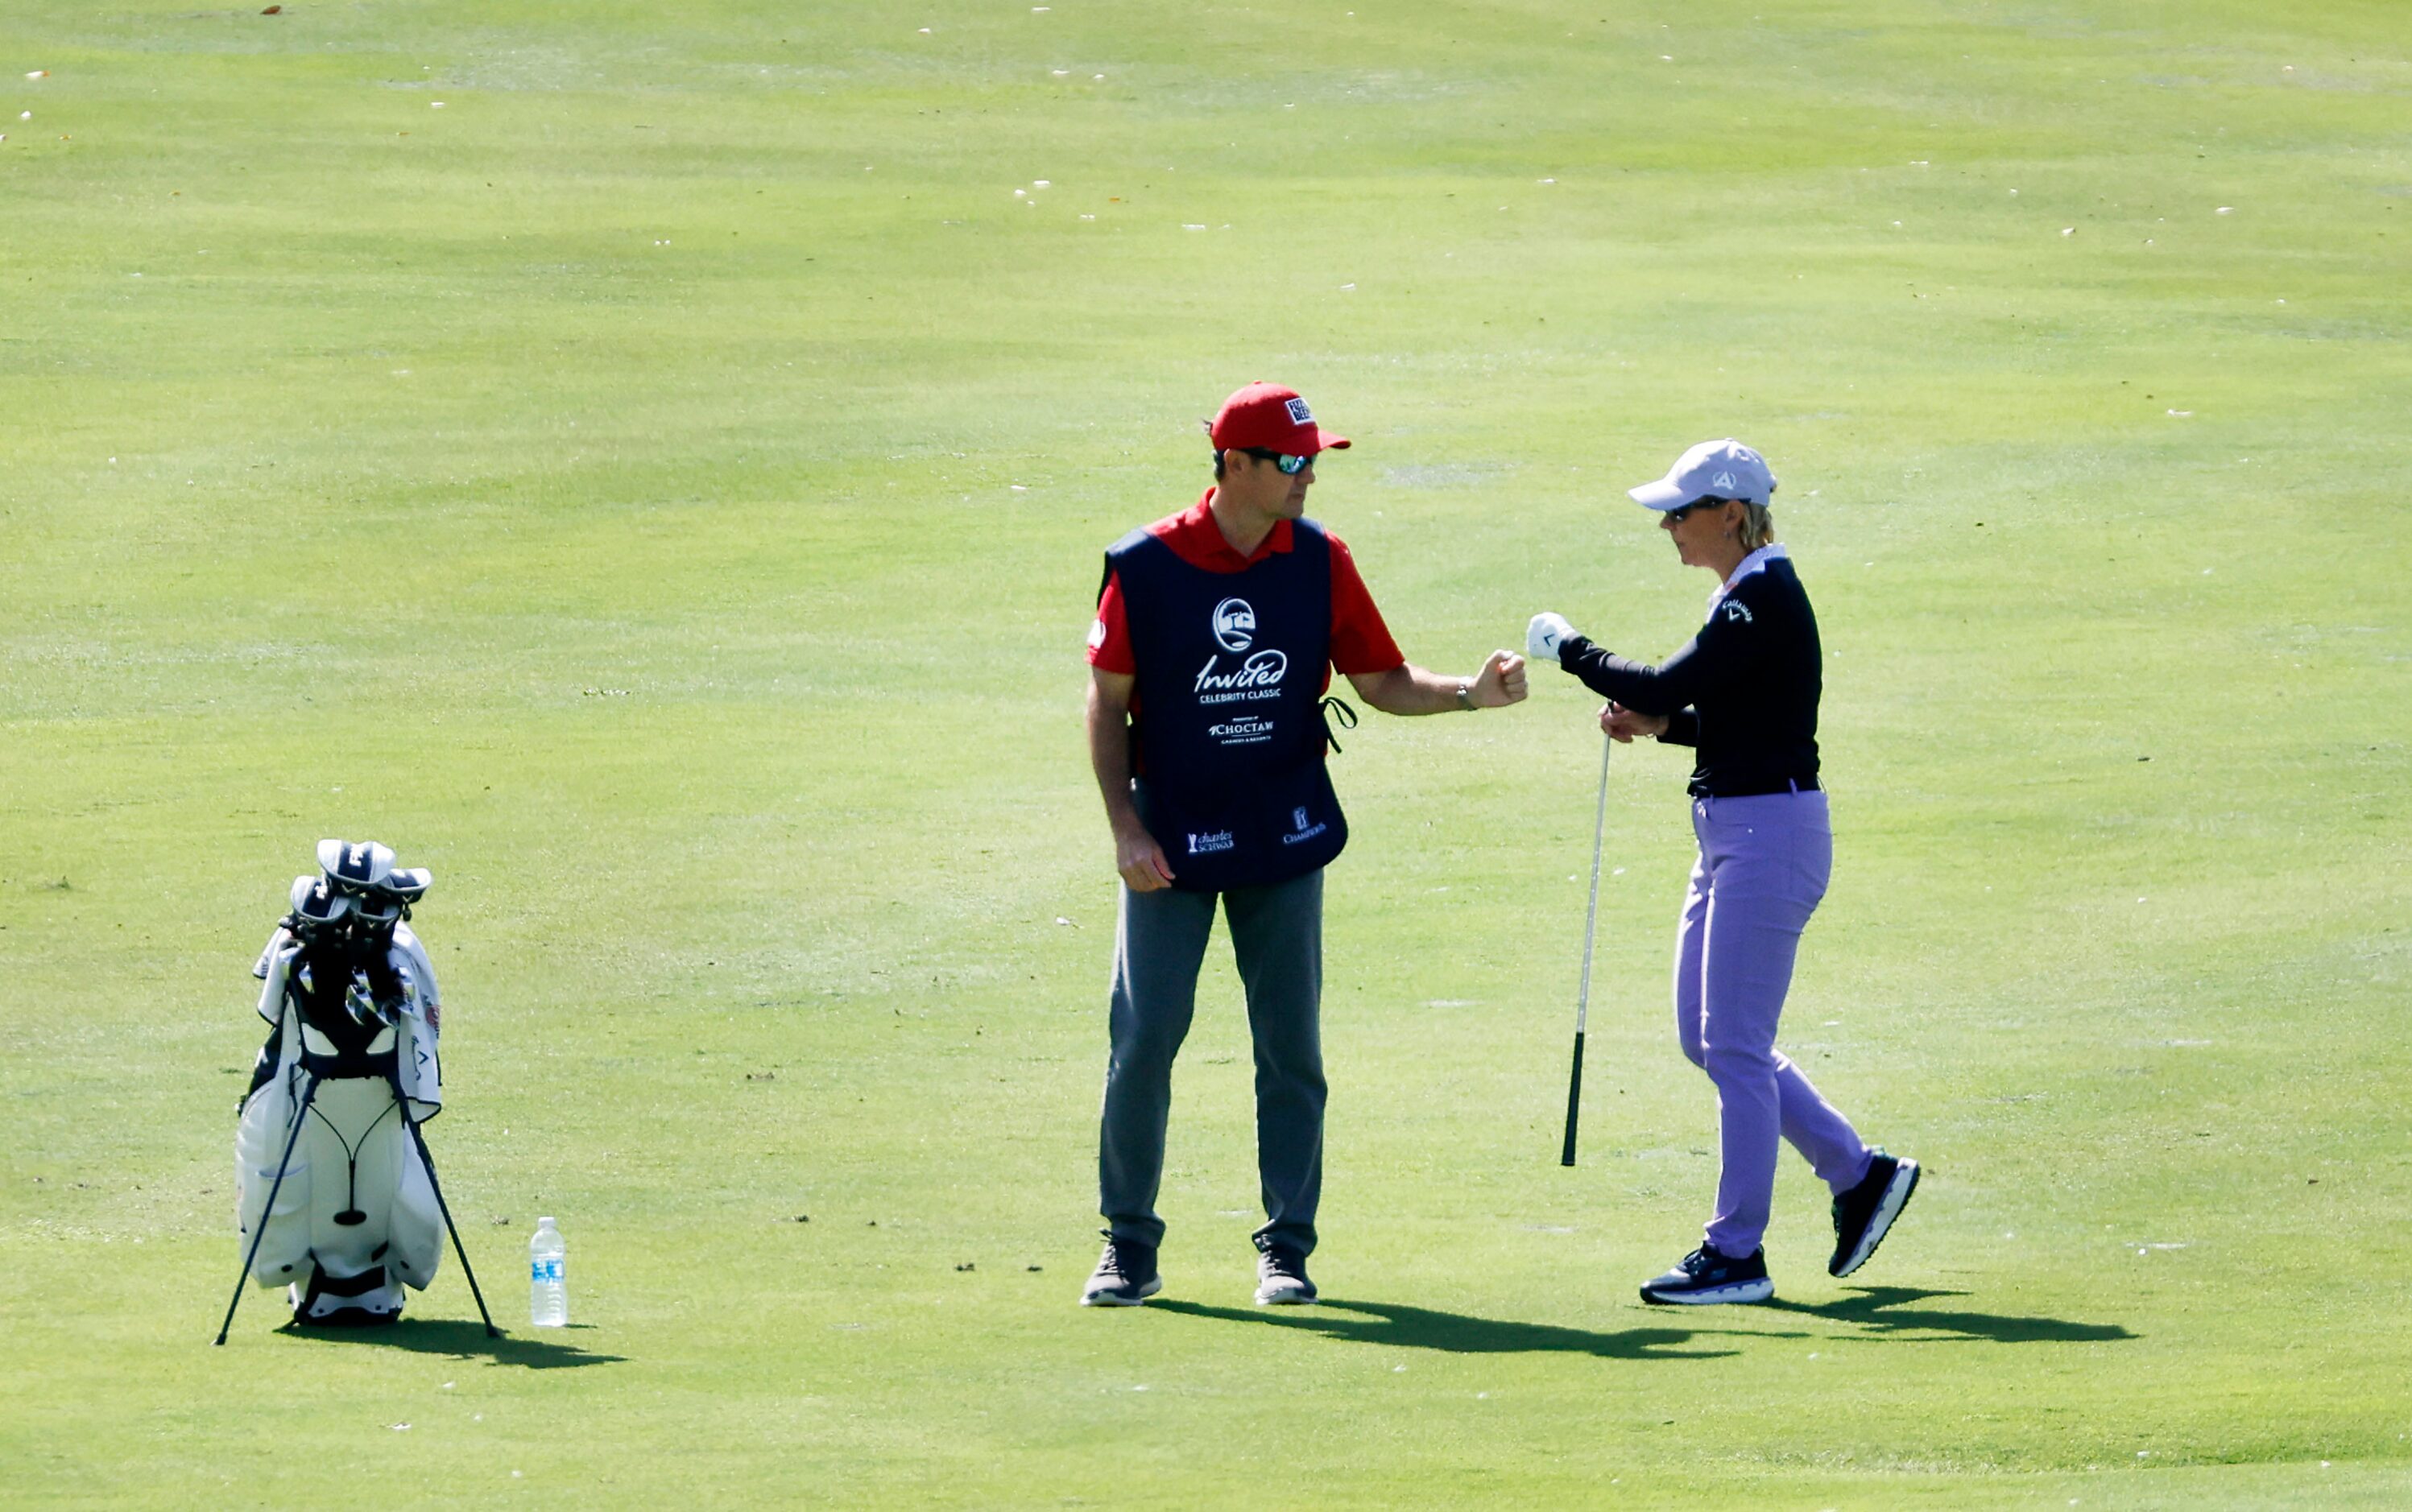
[1757, 525]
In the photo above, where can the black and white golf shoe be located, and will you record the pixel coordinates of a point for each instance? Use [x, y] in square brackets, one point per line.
[1281, 1277]
[1705, 1277]
[1125, 1275]
[1864, 1215]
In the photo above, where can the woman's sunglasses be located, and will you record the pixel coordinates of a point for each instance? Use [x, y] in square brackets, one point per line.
[1675, 516]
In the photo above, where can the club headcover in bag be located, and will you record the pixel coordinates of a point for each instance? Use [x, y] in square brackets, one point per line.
[317, 908]
[375, 915]
[355, 868]
[406, 884]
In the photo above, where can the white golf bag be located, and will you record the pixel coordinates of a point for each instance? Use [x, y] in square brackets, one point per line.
[334, 1191]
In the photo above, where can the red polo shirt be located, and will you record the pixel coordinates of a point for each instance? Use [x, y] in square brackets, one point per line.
[1361, 643]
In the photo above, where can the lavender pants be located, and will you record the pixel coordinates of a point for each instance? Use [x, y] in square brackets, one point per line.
[1762, 868]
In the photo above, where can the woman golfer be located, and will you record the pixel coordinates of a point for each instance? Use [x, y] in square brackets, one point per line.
[1744, 692]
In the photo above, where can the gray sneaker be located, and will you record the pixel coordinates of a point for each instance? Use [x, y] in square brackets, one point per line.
[1125, 1275]
[1281, 1277]
[1707, 1276]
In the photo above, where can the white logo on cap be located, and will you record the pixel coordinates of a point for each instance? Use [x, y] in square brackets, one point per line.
[1300, 414]
[1235, 624]
[1722, 480]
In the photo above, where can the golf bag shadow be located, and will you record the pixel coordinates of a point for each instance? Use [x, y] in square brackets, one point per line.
[336, 1198]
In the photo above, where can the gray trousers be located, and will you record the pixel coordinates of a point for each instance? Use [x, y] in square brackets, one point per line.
[1159, 944]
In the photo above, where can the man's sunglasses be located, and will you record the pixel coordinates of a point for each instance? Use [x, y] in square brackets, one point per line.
[1290, 466]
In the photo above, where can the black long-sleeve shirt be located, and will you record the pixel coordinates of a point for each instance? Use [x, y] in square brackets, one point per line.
[1743, 692]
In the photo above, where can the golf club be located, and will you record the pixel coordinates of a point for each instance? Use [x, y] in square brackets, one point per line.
[1591, 926]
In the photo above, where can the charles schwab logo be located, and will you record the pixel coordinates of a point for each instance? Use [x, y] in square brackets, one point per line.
[1235, 624]
[1216, 840]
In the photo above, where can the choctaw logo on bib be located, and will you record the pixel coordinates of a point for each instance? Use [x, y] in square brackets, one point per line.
[1235, 624]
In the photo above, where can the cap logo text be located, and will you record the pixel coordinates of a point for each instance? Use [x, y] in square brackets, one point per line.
[1300, 414]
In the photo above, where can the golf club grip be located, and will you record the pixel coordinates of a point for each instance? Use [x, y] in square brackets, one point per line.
[1574, 1102]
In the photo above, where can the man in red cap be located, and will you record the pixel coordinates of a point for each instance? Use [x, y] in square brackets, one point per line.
[1217, 631]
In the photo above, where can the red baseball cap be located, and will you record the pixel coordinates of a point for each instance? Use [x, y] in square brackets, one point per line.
[1272, 418]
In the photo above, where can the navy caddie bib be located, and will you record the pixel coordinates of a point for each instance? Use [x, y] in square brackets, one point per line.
[1229, 730]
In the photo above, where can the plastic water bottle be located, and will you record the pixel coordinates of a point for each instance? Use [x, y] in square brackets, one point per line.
[547, 1282]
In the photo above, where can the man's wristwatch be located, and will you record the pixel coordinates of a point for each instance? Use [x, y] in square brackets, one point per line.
[1466, 694]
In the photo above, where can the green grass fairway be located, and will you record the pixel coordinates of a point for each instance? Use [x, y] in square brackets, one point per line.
[648, 464]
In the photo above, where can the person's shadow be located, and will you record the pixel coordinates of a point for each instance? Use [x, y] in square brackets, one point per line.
[1457, 1333]
[461, 1339]
[1885, 1311]
[1888, 1309]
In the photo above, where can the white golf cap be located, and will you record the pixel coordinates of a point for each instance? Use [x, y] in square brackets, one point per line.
[1713, 469]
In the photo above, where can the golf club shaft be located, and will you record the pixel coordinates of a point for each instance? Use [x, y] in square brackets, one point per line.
[1591, 928]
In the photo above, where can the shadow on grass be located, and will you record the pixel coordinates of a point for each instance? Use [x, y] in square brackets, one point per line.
[1456, 1333]
[1885, 1310]
[461, 1340]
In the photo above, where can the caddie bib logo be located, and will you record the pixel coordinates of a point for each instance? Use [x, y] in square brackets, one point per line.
[1235, 624]
[1258, 677]
[1303, 831]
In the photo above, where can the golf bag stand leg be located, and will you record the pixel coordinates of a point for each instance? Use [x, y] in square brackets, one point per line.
[451, 1227]
[283, 1162]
